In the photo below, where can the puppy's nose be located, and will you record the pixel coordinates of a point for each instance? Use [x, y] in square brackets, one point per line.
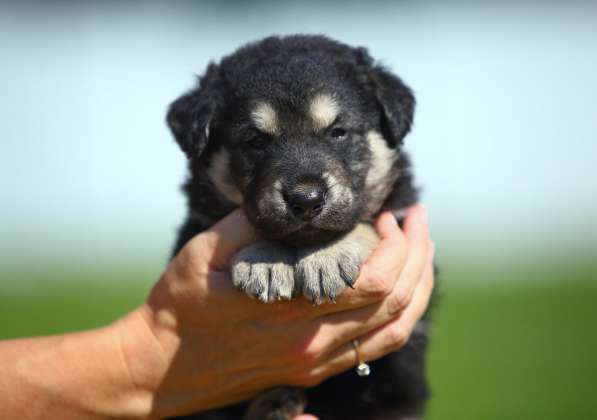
[306, 200]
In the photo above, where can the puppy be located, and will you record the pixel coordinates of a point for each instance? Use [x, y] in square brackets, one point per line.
[305, 134]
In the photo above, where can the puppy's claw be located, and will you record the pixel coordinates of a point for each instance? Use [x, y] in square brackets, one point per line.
[324, 273]
[264, 271]
[347, 278]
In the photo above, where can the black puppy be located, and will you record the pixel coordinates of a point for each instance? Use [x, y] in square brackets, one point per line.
[305, 134]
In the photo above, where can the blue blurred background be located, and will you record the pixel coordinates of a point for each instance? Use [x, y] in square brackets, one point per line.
[504, 146]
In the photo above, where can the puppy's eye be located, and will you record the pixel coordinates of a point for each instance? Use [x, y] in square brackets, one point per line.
[257, 142]
[338, 133]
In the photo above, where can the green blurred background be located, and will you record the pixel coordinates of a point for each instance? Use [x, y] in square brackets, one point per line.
[504, 147]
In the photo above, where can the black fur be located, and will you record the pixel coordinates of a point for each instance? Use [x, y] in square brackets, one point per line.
[286, 72]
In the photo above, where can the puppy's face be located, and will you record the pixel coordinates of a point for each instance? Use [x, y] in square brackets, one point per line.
[298, 137]
[300, 166]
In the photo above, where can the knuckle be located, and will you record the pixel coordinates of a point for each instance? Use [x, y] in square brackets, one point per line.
[376, 284]
[403, 298]
[398, 300]
[398, 337]
[313, 351]
[189, 262]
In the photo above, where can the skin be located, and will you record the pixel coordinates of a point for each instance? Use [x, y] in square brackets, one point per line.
[197, 343]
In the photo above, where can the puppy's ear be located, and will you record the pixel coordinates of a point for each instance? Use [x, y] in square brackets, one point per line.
[189, 117]
[395, 99]
[397, 104]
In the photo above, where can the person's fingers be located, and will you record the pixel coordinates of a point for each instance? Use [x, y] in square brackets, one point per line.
[395, 334]
[395, 266]
[219, 243]
[305, 417]
[388, 257]
[383, 340]
[342, 326]
[419, 250]
[392, 243]
[378, 273]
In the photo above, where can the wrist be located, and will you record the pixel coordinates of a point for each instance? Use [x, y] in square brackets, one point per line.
[114, 393]
[147, 343]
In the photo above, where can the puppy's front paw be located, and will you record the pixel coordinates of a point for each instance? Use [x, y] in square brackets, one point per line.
[323, 273]
[264, 270]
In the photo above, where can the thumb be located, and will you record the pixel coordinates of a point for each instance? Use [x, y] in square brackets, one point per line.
[219, 243]
[305, 417]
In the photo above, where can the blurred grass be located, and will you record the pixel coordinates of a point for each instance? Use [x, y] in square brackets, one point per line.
[517, 352]
[61, 300]
[523, 348]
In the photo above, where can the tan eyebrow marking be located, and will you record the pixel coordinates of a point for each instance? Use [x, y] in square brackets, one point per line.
[264, 117]
[323, 110]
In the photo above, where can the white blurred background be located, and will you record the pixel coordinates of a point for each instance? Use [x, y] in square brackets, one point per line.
[504, 141]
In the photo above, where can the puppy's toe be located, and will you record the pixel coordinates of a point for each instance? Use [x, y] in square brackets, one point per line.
[264, 271]
[324, 273]
[281, 284]
[321, 278]
[348, 269]
[319, 283]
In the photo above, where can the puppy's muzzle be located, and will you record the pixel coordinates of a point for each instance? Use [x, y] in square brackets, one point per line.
[306, 200]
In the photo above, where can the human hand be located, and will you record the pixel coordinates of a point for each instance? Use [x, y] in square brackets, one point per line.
[198, 343]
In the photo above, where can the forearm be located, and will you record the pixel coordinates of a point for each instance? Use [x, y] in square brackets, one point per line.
[120, 371]
[198, 344]
[71, 376]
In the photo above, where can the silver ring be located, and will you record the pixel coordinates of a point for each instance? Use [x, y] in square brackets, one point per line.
[363, 369]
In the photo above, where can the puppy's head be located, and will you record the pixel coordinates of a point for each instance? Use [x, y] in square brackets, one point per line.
[301, 131]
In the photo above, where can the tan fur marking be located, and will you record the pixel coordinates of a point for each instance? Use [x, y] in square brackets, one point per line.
[219, 171]
[323, 110]
[382, 159]
[338, 193]
[264, 117]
